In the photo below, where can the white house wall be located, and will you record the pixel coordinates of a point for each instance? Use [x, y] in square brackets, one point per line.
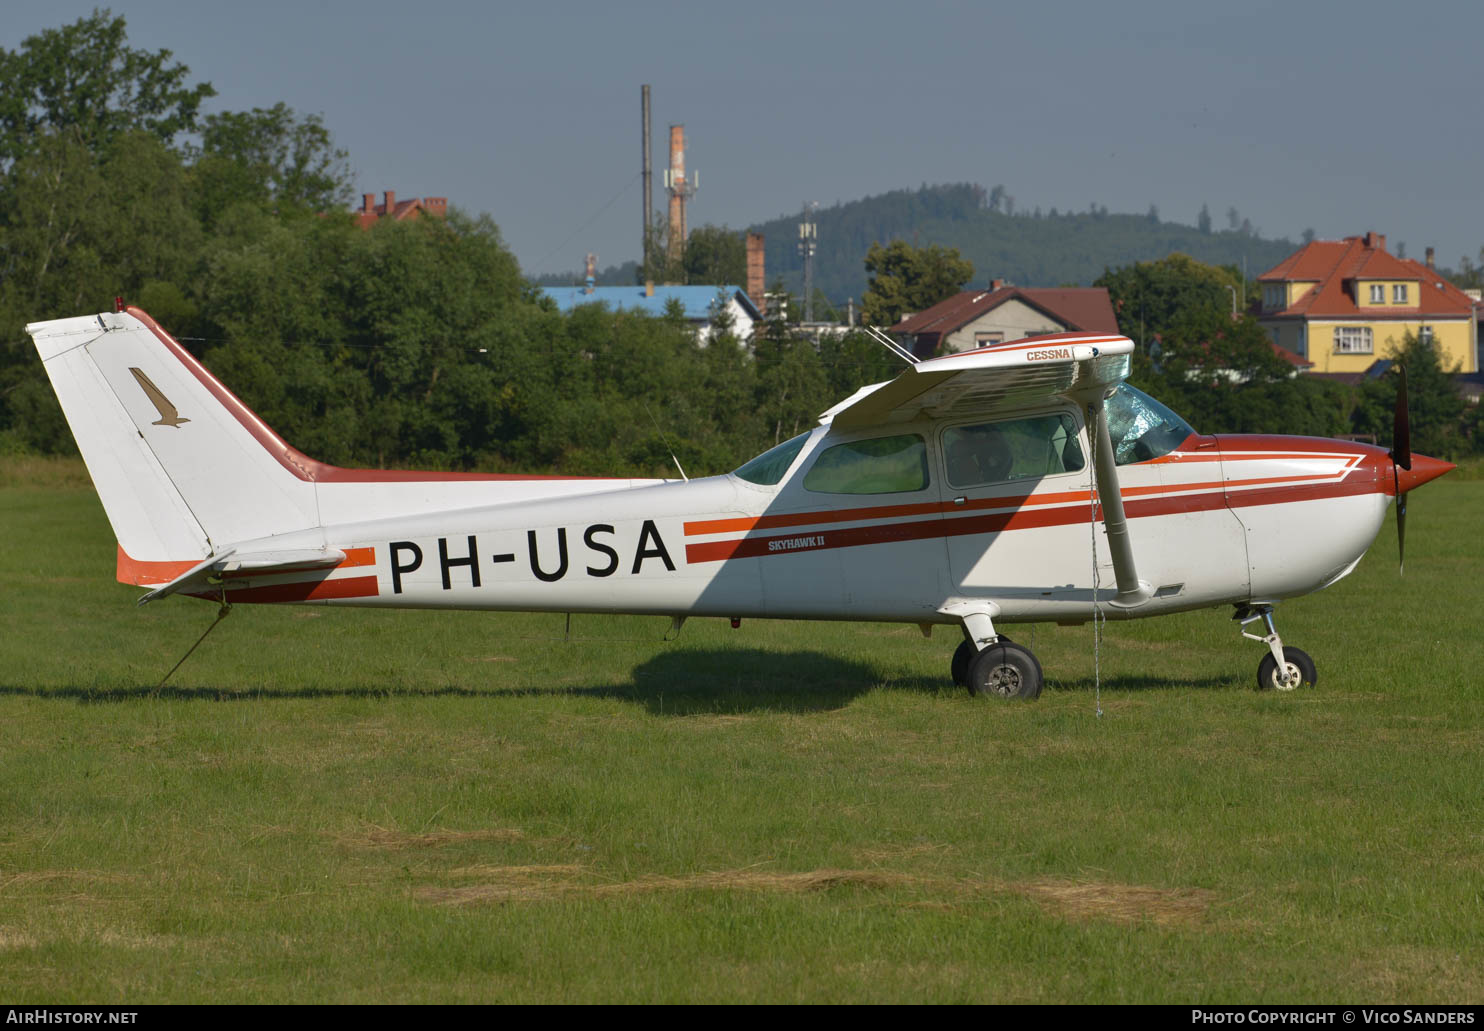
[1014, 318]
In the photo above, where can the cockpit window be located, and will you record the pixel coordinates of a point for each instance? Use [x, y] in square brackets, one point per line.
[1141, 427]
[881, 465]
[768, 468]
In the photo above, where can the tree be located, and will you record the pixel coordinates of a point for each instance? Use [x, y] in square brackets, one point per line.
[910, 279]
[1148, 297]
[714, 256]
[1203, 221]
[269, 156]
[82, 79]
[1435, 407]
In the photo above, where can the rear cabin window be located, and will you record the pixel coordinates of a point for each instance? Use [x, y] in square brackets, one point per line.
[1016, 449]
[881, 465]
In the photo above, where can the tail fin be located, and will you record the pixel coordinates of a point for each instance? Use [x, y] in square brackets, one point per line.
[184, 469]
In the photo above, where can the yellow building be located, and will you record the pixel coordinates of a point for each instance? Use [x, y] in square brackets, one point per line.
[1344, 304]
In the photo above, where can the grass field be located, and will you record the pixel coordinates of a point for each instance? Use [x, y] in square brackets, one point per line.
[339, 806]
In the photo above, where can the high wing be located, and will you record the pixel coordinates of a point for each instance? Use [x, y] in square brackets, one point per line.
[1081, 367]
[989, 380]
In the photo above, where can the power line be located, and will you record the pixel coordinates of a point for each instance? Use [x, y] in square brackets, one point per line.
[576, 232]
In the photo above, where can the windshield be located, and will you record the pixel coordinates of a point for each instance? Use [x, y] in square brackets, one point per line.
[1141, 427]
[768, 468]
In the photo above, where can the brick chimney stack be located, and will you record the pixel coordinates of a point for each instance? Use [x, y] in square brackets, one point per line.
[391, 201]
[368, 203]
[756, 280]
[1430, 259]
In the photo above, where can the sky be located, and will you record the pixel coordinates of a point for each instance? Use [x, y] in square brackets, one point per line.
[1340, 117]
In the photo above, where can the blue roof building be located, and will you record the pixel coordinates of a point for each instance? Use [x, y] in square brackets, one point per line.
[700, 303]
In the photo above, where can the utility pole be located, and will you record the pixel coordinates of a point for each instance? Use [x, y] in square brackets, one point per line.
[808, 242]
[648, 176]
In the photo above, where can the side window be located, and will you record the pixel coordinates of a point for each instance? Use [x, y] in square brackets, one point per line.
[1017, 449]
[881, 465]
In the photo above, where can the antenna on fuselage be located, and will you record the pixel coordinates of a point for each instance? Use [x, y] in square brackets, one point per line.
[666, 440]
[891, 345]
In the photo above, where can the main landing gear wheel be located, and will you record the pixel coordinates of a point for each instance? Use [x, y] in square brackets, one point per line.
[962, 656]
[1004, 670]
[1298, 669]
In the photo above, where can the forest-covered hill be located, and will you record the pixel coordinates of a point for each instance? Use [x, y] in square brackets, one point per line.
[1035, 248]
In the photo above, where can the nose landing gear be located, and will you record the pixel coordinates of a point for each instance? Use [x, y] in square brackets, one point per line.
[1283, 668]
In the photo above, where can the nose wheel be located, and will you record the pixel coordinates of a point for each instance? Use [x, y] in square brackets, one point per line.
[1284, 668]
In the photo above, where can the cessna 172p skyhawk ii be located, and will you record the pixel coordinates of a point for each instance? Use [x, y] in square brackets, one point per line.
[1022, 482]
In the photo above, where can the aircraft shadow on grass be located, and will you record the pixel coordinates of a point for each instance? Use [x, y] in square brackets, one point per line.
[689, 682]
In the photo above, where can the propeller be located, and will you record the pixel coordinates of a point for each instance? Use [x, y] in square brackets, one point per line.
[1401, 458]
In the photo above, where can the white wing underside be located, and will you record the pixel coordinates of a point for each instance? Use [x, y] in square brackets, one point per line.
[991, 380]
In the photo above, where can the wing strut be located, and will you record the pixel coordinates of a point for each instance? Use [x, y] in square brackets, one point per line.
[1131, 590]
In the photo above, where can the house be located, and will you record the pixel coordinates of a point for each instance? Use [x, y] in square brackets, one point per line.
[398, 211]
[1343, 304]
[979, 318]
[701, 304]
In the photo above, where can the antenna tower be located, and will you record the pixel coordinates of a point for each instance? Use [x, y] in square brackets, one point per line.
[808, 242]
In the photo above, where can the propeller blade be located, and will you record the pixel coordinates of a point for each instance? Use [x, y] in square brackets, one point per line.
[1401, 535]
[1401, 427]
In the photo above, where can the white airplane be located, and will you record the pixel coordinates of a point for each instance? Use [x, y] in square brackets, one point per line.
[1024, 482]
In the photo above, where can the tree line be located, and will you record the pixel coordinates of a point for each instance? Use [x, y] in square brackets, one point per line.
[420, 343]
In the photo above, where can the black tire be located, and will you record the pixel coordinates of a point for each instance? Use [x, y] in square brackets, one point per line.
[1004, 670]
[962, 656]
[1267, 670]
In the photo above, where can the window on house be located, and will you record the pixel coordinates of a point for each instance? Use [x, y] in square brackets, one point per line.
[1378, 293]
[988, 339]
[1424, 334]
[1272, 297]
[1399, 293]
[1353, 340]
[882, 465]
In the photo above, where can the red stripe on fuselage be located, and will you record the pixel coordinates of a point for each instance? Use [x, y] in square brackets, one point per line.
[304, 590]
[1025, 519]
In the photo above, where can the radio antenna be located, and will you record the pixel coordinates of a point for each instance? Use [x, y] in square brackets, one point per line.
[891, 345]
[666, 440]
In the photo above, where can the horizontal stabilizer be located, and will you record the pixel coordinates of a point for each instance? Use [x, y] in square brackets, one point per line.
[218, 568]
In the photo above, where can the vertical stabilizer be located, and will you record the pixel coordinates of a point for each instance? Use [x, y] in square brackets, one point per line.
[183, 468]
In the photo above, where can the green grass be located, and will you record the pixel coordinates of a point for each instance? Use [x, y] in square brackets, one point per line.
[334, 806]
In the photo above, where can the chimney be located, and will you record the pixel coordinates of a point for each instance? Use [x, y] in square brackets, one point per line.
[368, 203]
[391, 201]
[1430, 259]
[1375, 241]
[756, 280]
[995, 284]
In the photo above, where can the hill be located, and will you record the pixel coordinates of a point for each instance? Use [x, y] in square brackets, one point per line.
[1031, 249]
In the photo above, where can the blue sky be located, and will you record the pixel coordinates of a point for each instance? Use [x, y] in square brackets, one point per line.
[1340, 117]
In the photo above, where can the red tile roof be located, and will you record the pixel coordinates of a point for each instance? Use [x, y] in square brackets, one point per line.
[1077, 308]
[1334, 265]
[1291, 358]
[399, 210]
